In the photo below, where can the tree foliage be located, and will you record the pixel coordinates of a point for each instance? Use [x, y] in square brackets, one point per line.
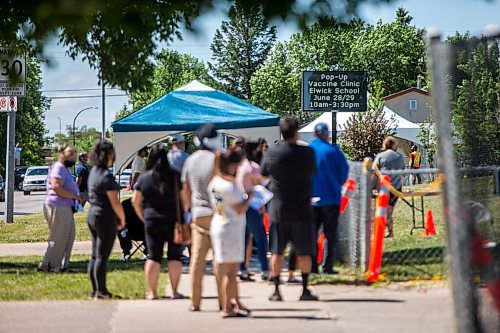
[240, 47]
[120, 37]
[85, 138]
[363, 133]
[393, 53]
[30, 115]
[476, 103]
[171, 71]
[321, 46]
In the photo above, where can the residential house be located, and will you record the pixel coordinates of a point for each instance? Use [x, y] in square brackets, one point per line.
[411, 104]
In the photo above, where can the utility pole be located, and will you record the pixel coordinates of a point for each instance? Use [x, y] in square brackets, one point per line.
[103, 107]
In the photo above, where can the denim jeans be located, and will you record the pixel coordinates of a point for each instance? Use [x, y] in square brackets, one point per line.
[255, 226]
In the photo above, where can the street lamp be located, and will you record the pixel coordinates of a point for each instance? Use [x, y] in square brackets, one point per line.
[59, 124]
[74, 121]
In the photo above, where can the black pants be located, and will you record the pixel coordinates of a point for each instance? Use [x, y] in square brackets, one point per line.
[103, 237]
[328, 218]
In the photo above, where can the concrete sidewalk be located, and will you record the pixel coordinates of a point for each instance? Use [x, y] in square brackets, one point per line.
[35, 249]
[341, 309]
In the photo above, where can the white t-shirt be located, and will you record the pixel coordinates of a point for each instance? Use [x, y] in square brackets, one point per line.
[138, 165]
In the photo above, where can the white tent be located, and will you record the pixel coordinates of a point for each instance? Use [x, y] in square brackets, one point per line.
[185, 110]
[405, 129]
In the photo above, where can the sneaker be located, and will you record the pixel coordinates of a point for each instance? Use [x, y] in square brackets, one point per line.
[245, 276]
[307, 296]
[143, 257]
[264, 276]
[293, 280]
[126, 257]
[276, 297]
[43, 268]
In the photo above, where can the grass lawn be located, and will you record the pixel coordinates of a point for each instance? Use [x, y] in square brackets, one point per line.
[20, 281]
[33, 228]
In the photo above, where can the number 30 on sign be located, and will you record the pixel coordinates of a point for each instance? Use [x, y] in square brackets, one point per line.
[8, 104]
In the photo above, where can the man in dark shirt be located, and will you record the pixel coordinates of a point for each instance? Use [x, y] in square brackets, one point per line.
[291, 168]
[82, 176]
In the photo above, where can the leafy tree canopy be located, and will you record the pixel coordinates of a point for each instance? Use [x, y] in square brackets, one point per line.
[240, 47]
[120, 37]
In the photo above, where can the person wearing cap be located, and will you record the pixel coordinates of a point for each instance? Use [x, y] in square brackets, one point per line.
[331, 173]
[177, 155]
[82, 176]
[138, 166]
[414, 164]
[196, 174]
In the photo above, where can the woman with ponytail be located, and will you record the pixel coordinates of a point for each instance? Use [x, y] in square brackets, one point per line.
[105, 216]
[227, 228]
[154, 202]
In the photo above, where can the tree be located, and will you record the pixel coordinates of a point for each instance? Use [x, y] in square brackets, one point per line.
[30, 115]
[85, 138]
[476, 103]
[393, 53]
[240, 47]
[427, 136]
[171, 71]
[321, 46]
[364, 133]
[120, 37]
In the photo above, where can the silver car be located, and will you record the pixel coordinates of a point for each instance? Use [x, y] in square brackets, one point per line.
[35, 179]
[124, 178]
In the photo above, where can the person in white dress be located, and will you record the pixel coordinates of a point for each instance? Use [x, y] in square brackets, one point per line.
[227, 228]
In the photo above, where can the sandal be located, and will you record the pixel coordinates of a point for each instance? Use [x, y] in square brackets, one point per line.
[179, 296]
[193, 308]
[235, 314]
[151, 297]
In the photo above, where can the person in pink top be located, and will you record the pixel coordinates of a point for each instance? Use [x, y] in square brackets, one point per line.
[247, 176]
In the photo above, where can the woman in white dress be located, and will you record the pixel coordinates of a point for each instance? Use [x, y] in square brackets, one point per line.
[227, 229]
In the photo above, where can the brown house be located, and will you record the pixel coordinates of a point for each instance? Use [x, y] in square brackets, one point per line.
[411, 104]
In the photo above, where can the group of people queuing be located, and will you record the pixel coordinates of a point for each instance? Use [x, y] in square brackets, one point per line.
[211, 189]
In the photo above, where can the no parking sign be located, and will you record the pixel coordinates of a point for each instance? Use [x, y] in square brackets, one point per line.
[8, 104]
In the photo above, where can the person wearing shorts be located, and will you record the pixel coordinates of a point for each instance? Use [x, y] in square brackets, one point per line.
[155, 201]
[291, 168]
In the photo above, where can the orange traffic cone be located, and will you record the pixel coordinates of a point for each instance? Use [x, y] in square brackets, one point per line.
[430, 228]
[375, 263]
[347, 190]
[321, 243]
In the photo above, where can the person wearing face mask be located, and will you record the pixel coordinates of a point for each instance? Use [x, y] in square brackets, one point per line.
[58, 209]
[105, 216]
[196, 174]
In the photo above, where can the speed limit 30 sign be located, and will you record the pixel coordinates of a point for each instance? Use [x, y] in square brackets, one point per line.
[12, 74]
[8, 104]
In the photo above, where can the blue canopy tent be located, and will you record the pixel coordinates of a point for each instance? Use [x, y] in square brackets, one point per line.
[185, 110]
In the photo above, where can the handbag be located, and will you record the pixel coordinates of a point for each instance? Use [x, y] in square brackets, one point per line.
[182, 231]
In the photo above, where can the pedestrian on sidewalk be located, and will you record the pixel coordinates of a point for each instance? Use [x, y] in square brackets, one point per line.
[331, 173]
[390, 159]
[154, 202]
[227, 228]
[105, 217]
[291, 168]
[247, 176]
[82, 176]
[58, 209]
[196, 174]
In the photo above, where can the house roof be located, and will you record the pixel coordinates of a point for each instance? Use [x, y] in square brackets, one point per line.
[407, 91]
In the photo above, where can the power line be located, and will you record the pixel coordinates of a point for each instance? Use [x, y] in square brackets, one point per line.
[80, 89]
[86, 96]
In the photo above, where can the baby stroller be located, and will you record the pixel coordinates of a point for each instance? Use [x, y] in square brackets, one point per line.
[132, 236]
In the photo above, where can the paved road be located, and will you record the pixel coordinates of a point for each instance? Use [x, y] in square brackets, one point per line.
[342, 309]
[25, 204]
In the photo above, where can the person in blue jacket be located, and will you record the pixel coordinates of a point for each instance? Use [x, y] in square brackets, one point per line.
[331, 173]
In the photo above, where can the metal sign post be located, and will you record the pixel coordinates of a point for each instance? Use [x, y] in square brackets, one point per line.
[9, 105]
[12, 83]
[334, 91]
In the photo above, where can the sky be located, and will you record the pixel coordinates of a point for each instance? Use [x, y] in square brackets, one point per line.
[68, 78]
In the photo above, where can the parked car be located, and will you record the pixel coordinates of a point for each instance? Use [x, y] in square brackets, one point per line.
[124, 178]
[2, 189]
[35, 179]
[19, 173]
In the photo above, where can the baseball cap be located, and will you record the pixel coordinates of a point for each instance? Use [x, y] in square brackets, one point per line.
[321, 128]
[177, 137]
[206, 131]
